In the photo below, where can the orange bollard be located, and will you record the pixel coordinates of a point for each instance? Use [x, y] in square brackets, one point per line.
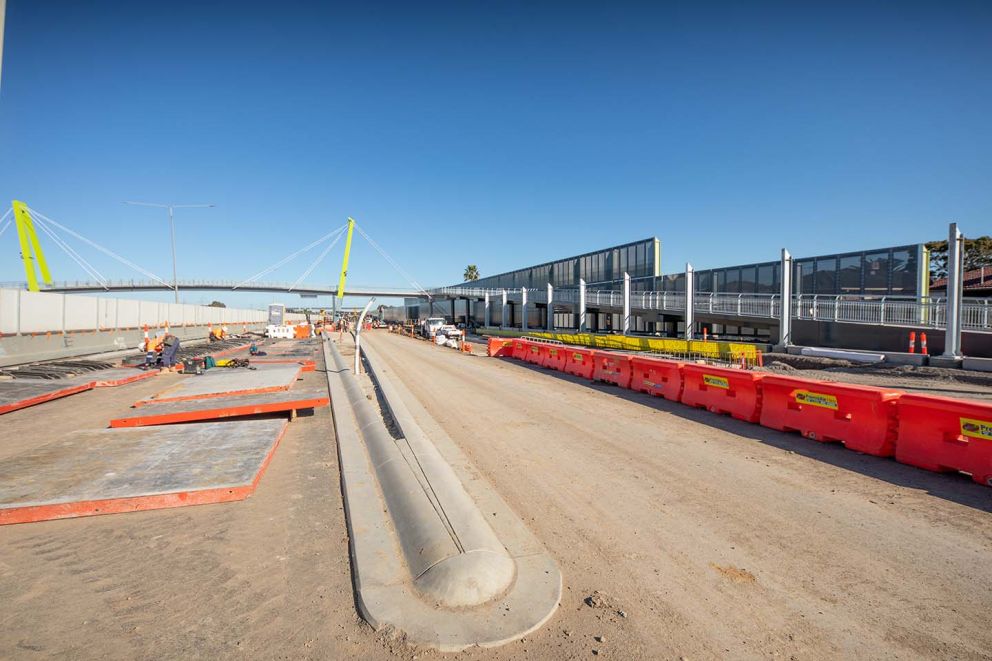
[923, 344]
[706, 333]
[912, 341]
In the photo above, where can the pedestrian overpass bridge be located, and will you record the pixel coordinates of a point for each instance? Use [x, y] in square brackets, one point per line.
[82, 286]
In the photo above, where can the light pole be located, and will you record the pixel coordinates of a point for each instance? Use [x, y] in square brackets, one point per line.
[172, 228]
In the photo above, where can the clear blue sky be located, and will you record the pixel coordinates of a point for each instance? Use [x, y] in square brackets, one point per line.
[498, 133]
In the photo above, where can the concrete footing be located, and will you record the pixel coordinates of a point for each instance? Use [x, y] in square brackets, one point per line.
[426, 561]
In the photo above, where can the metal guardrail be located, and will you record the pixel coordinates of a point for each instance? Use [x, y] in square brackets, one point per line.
[870, 310]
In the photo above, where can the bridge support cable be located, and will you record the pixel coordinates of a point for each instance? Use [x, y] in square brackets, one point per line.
[399, 269]
[291, 257]
[75, 256]
[6, 221]
[106, 251]
[317, 261]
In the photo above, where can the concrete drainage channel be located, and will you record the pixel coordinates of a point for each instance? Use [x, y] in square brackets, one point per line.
[426, 561]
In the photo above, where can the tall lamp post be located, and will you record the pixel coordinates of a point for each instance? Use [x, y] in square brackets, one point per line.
[172, 227]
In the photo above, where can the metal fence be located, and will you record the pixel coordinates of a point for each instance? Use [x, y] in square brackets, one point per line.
[870, 310]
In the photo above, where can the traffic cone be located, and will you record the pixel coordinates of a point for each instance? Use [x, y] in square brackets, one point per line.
[923, 344]
[912, 342]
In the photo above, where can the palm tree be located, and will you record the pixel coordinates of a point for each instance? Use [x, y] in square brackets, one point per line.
[471, 273]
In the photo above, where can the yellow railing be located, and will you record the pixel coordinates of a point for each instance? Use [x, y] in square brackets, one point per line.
[713, 349]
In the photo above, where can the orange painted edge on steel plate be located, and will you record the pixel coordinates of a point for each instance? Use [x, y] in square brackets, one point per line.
[36, 513]
[214, 395]
[219, 413]
[47, 397]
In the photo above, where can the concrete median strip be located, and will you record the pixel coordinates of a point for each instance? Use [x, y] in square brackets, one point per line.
[427, 561]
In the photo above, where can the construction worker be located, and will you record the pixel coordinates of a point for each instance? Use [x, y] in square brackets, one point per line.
[153, 350]
[216, 334]
[170, 347]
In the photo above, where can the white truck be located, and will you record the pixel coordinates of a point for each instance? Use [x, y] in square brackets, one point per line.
[430, 327]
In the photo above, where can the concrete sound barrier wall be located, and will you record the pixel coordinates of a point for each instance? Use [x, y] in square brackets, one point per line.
[42, 325]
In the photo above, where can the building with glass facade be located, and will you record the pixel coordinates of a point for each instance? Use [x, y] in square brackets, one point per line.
[896, 271]
[641, 259]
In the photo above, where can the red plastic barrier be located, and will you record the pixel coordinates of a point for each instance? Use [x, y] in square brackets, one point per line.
[519, 350]
[554, 356]
[944, 434]
[499, 347]
[580, 361]
[612, 368]
[722, 390]
[533, 354]
[656, 376]
[861, 417]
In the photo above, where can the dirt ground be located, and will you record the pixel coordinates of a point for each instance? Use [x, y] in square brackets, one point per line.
[678, 533]
[266, 578]
[715, 538]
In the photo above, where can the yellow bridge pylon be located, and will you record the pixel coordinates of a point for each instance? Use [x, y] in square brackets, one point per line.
[344, 263]
[31, 251]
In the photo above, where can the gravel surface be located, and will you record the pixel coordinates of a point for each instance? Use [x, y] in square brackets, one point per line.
[714, 538]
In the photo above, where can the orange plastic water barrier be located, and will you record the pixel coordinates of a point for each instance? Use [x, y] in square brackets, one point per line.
[533, 354]
[612, 368]
[721, 390]
[553, 356]
[499, 347]
[656, 376]
[861, 417]
[580, 362]
[519, 350]
[944, 434]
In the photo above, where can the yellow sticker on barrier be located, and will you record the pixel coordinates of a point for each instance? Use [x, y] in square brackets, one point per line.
[976, 428]
[822, 400]
[578, 357]
[716, 381]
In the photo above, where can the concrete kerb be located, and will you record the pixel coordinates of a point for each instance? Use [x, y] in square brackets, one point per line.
[480, 585]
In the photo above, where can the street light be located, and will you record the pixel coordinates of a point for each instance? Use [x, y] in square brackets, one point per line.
[172, 226]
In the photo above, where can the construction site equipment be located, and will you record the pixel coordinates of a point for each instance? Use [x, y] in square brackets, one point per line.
[612, 368]
[498, 347]
[656, 376]
[863, 418]
[944, 434]
[222, 407]
[580, 362]
[554, 356]
[82, 474]
[733, 392]
[935, 433]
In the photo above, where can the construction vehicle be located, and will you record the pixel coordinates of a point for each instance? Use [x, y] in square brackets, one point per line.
[430, 327]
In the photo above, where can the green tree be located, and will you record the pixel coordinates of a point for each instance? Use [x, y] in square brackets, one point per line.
[471, 273]
[977, 253]
[217, 304]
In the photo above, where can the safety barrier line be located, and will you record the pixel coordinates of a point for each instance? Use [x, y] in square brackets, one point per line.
[927, 431]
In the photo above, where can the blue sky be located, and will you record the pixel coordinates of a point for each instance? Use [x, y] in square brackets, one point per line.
[502, 134]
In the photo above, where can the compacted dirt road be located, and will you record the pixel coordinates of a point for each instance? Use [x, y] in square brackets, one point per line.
[679, 534]
[715, 538]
